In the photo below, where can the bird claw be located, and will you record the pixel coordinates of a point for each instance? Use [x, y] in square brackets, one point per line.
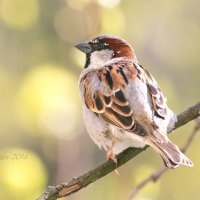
[117, 173]
[111, 156]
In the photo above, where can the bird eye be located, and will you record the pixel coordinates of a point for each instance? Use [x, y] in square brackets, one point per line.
[95, 41]
[97, 46]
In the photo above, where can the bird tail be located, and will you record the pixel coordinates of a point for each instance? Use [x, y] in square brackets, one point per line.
[169, 152]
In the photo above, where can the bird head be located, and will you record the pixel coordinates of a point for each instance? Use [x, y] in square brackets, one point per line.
[103, 48]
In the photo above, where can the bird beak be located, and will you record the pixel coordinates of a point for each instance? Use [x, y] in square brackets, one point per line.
[84, 47]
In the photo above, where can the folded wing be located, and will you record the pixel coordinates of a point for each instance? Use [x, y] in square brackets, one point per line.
[104, 95]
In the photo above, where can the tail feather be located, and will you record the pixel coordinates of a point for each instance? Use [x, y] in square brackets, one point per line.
[170, 153]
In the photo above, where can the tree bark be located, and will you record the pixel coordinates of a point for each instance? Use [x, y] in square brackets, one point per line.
[74, 185]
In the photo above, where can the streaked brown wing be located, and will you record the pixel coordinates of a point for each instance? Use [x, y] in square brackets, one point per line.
[158, 99]
[104, 95]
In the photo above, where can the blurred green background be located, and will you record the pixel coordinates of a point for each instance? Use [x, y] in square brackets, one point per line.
[43, 140]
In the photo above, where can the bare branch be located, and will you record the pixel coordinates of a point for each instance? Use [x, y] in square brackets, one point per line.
[157, 174]
[82, 181]
[152, 178]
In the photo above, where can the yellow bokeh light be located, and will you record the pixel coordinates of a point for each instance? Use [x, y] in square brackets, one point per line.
[112, 27]
[19, 14]
[22, 173]
[48, 101]
[63, 120]
[108, 3]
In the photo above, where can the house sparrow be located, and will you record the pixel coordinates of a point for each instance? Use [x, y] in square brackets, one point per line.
[123, 106]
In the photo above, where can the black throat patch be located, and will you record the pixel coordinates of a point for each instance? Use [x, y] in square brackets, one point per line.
[87, 62]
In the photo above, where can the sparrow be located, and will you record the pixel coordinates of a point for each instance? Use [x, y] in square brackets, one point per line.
[123, 105]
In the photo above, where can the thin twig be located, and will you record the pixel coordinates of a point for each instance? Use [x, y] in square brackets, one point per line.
[157, 174]
[190, 139]
[82, 181]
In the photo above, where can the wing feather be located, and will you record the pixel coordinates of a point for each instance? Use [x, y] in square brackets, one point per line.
[103, 94]
[106, 98]
[157, 97]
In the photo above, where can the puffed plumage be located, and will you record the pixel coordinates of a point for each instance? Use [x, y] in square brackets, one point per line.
[123, 106]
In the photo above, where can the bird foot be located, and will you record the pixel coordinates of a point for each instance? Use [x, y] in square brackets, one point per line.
[111, 156]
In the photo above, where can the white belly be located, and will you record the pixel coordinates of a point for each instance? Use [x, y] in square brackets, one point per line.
[98, 130]
[125, 140]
